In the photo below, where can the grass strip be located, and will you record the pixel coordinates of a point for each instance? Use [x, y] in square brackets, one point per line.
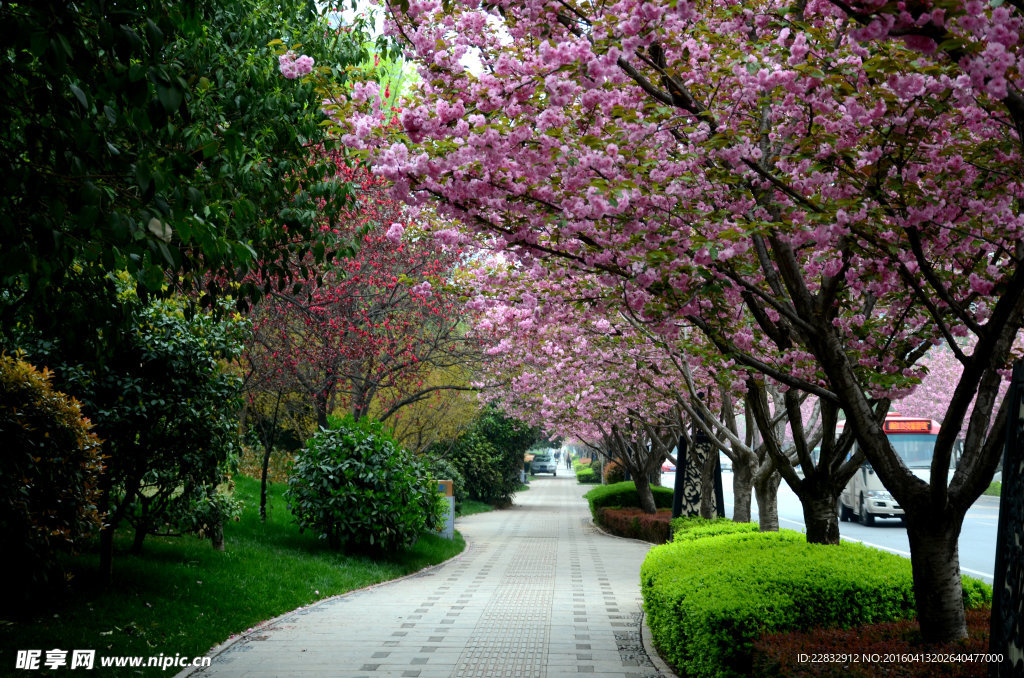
[181, 597]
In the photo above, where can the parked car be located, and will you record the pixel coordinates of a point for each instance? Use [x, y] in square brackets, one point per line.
[668, 467]
[544, 463]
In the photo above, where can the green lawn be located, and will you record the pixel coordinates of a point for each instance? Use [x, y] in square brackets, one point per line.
[472, 506]
[181, 596]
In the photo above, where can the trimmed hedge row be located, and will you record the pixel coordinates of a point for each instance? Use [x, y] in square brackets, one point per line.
[708, 599]
[624, 495]
[586, 475]
[635, 524]
[689, 528]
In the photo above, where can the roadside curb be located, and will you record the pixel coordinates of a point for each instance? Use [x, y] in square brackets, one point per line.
[652, 652]
[218, 650]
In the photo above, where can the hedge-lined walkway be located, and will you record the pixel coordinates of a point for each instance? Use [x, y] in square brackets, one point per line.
[538, 593]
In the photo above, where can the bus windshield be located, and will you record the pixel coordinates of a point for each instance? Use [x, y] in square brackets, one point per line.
[915, 449]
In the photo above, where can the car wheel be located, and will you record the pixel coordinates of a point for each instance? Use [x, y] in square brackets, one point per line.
[554, 474]
[844, 513]
[865, 517]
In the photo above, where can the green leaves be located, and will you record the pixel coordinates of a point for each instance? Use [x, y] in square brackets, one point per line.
[353, 486]
[129, 111]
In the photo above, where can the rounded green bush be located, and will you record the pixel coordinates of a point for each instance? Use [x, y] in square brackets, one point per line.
[49, 474]
[355, 488]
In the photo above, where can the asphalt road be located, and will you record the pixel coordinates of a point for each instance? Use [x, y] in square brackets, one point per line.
[977, 539]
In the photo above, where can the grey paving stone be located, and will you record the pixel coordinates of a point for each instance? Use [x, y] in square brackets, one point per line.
[519, 603]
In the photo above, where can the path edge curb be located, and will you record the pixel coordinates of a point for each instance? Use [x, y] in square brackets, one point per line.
[646, 636]
[652, 652]
[220, 649]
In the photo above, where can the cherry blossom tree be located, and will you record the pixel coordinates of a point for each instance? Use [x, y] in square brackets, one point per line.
[846, 176]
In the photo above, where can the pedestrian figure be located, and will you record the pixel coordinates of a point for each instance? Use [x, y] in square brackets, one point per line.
[568, 460]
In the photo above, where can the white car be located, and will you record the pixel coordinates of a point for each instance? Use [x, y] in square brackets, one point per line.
[544, 463]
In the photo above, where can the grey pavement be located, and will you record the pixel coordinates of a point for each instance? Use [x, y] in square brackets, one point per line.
[538, 593]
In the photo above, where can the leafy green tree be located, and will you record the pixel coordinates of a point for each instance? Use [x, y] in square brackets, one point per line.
[165, 406]
[490, 455]
[160, 139]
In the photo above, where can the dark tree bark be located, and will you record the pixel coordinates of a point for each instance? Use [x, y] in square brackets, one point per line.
[936, 566]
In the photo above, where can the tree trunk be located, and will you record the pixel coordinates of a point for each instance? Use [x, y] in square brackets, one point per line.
[263, 483]
[217, 536]
[820, 516]
[707, 481]
[767, 491]
[643, 492]
[742, 489]
[106, 530]
[935, 558]
[140, 534]
[320, 405]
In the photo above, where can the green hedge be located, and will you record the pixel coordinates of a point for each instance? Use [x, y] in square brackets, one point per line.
[624, 495]
[694, 527]
[707, 600]
[586, 475]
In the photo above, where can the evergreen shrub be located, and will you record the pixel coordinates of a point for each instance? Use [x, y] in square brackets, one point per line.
[586, 475]
[443, 469]
[50, 466]
[614, 472]
[635, 524]
[694, 527]
[355, 488]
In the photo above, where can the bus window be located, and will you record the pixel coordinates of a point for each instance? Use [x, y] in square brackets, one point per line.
[916, 449]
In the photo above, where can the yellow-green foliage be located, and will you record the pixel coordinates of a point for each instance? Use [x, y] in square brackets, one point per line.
[50, 465]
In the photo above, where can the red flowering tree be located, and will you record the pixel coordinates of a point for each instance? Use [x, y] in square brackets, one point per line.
[363, 334]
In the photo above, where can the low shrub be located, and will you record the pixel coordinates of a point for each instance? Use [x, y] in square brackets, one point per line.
[777, 654]
[708, 599]
[614, 472]
[694, 527]
[353, 486]
[995, 489]
[50, 469]
[624, 495]
[635, 524]
[584, 474]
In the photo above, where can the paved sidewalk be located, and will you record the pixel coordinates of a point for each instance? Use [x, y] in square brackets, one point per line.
[538, 593]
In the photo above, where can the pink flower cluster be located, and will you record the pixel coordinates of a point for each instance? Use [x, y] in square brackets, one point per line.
[294, 65]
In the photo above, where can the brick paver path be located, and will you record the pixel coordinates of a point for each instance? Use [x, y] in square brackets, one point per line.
[538, 593]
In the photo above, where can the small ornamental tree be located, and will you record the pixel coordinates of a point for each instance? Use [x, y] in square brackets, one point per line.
[353, 487]
[366, 333]
[49, 476]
